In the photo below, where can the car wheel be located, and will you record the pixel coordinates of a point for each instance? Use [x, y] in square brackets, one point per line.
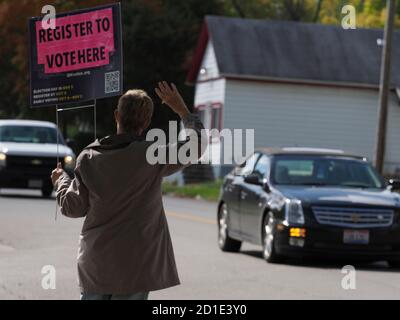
[47, 192]
[394, 264]
[269, 252]
[224, 241]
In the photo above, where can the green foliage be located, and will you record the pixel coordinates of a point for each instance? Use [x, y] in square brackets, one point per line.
[207, 191]
[370, 13]
[295, 10]
[159, 40]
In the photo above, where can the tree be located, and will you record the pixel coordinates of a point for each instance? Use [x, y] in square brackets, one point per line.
[370, 13]
[14, 65]
[295, 10]
[159, 37]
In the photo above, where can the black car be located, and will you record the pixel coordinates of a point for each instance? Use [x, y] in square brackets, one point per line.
[301, 202]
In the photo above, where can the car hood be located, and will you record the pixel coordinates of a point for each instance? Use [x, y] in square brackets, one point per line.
[341, 196]
[34, 149]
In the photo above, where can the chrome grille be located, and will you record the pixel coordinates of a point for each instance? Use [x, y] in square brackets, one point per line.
[32, 164]
[353, 217]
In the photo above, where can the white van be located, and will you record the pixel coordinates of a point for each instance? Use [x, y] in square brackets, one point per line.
[28, 154]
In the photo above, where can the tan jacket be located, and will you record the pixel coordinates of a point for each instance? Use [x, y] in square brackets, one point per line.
[125, 245]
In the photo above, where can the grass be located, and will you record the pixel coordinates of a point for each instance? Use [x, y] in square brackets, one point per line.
[207, 191]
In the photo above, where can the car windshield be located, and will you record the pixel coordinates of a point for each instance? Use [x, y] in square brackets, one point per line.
[325, 171]
[29, 134]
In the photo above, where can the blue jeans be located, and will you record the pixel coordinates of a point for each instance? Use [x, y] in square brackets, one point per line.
[135, 296]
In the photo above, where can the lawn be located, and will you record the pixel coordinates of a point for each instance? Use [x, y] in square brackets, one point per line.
[207, 191]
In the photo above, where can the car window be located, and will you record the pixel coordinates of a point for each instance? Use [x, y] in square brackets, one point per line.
[29, 134]
[262, 167]
[298, 168]
[346, 172]
[248, 166]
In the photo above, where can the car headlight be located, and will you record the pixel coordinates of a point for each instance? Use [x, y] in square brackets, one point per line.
[294, 212]
[3, 158]
[69, 162]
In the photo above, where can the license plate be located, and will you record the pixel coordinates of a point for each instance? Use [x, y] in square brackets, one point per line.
[356, 236]
[35, 183]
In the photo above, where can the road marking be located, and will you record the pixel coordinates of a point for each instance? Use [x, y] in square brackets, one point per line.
[190, 217]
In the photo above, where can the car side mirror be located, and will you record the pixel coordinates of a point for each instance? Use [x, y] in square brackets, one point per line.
[253, 179]
[266, 186]
[394, 184]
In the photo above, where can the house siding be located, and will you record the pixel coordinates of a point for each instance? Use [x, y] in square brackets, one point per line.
[392, 153]
[311, 116]
[209, 63]
[210, 92]
[210, 89]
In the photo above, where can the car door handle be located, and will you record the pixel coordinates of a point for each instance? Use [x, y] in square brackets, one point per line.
[243, 195]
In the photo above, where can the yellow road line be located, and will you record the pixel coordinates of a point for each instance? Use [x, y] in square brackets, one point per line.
[190, 217]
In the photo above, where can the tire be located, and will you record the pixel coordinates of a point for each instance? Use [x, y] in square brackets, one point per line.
[395, 264]
[226, 243]
[47, 192]
[269, 252]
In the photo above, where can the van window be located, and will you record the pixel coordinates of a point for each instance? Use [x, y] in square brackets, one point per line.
[29, 134]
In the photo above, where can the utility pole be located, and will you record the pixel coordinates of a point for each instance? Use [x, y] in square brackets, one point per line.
[384, 87]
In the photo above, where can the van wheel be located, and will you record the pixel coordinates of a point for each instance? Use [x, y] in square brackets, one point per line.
[225, 242]
[47, 192]
[269, 252]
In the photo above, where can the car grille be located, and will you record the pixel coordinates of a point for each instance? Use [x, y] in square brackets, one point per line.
[353, 217]
[30, 163]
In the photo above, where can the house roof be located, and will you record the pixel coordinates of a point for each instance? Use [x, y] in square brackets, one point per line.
[294, 51]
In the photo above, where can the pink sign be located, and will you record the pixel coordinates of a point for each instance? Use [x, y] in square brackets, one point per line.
[78, 42]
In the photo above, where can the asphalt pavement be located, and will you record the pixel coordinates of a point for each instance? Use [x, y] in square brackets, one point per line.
[31, 238]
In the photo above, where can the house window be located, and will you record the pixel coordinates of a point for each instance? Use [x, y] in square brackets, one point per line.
[210, 115]
[216, 118]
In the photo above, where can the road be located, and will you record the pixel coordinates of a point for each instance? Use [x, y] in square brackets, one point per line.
[31, 238]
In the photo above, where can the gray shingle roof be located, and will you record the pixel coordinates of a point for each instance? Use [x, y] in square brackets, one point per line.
[299, 51]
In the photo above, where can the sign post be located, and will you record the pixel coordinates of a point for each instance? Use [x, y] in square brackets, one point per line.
[76, 60]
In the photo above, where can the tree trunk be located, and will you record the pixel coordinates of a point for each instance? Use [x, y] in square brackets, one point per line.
[317, 11]
[295, 9]
[238, 9]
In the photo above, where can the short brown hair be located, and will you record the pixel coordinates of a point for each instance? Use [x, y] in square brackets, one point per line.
[135, 108]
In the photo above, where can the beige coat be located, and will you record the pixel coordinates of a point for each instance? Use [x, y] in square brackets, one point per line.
[125, 245]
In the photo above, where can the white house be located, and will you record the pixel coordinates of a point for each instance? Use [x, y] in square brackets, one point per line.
[296, 84]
